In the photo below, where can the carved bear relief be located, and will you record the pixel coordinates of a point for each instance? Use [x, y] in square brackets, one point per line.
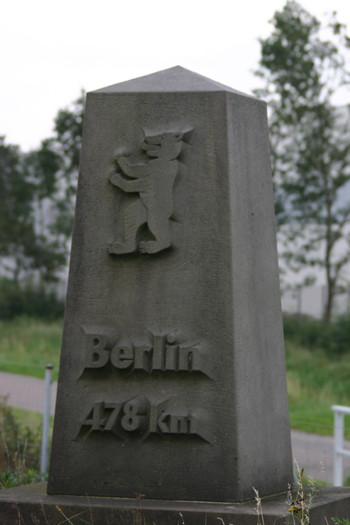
[151, 176]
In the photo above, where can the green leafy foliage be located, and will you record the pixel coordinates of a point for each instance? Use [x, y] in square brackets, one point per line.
[27, 186]
[26, 246]
[299, 507]
[17, 233]
[54, 171]
[312, 333]
[67, 144]
[23, 443]
[310, 143]
[43, 165]
[69, 131]
[16, 300]
[22, 447]
[10, 478]
[37, 198]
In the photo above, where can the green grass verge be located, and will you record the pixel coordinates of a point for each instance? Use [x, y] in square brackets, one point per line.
[316, 381]
[27, 345]
[29, 418]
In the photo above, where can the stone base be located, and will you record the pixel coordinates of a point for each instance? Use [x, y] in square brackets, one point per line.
[31, 505]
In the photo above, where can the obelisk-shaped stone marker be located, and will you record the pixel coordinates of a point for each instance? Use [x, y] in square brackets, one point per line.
[172, 378]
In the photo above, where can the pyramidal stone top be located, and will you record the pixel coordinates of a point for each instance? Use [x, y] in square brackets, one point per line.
[175, 79]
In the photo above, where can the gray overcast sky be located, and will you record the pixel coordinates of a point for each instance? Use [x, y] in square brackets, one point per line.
[51, 50]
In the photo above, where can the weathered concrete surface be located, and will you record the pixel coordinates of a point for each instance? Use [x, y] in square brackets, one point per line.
[172, 377]
[33, 505]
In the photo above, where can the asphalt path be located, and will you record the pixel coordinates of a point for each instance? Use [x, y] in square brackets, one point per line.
[26, 392]
[312, 452]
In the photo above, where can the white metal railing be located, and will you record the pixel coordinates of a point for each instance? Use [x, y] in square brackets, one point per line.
[46, 421]
[339, 451]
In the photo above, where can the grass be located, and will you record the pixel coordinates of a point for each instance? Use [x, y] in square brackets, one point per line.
[20, 434]
[317, 379]
[18, 476]
[29, 418]
[27, 345]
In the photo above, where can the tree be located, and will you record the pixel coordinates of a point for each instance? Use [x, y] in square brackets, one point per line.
[49, 254]
[53, 170]
[16, 225]
[37, 197]
[66, 143]
[26, 181]
[310, 141]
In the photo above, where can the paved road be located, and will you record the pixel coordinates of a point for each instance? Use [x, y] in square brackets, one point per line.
[26, 392]
[313, 452]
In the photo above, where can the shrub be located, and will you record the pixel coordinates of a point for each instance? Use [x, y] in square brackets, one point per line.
[334, 338]
[16, 300]
[18, 476]
[20, 447]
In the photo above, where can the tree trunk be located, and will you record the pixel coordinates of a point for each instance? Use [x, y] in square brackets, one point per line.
[329, 304]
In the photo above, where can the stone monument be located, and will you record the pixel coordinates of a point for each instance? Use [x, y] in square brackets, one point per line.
[172, 379]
